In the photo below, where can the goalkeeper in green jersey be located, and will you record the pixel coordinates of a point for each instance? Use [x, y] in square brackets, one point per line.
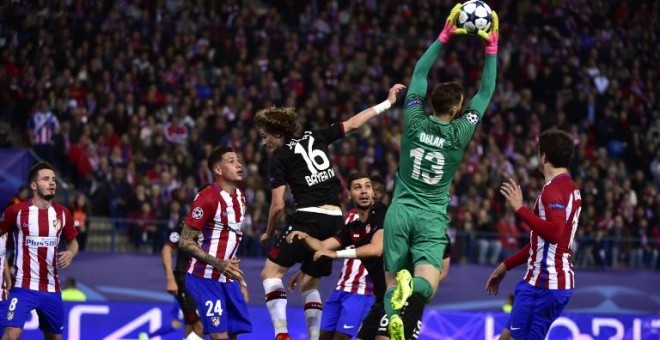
[432, 147]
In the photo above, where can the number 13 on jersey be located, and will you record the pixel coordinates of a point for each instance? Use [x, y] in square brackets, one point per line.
[437, 164]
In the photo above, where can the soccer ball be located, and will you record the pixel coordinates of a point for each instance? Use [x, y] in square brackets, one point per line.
[475, 15]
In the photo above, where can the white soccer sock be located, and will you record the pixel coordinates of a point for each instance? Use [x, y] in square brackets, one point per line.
[193, 336]
[276, 303]
[313, 311]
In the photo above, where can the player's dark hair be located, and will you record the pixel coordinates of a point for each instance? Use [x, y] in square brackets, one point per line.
[377, 179]
[34, 170]
[216, 156]
[355, 176]
[281, 121]
[445, 96]
[557, 145]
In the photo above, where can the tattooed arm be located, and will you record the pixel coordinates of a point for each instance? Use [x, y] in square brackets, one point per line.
[188, 243]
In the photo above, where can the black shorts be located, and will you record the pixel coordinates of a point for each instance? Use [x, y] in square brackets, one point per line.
[447, 248]
[376, 322]
[186, 301]
[317, 225]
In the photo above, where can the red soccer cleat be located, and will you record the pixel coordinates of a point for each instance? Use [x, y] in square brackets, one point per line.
[282, 336]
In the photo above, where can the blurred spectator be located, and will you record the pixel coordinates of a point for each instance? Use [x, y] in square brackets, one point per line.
[508, 234]
[70, 291]
[80, 211]
[42, 127]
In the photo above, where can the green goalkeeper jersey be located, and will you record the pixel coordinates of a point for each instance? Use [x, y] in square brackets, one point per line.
[431, 149]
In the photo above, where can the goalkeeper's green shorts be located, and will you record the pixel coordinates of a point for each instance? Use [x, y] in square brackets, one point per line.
[413, 237]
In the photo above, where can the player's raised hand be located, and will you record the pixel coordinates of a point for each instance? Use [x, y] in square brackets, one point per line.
[511, 191]
[493, 283]
[296, 235]
[492, 37]
[450, 28]
[394, 92]
[325, 253]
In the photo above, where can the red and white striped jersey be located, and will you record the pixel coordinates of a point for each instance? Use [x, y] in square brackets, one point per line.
[4, 285]
[219, 216]
[354, 276]
[43, 126]
[553, 224]
[36, 235]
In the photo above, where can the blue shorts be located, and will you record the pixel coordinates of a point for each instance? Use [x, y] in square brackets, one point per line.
[344, 312]
[221, 306]
[535, 309]
[3, 313]
[21, 302]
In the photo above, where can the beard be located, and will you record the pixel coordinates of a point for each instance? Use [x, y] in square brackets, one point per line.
[44, 196]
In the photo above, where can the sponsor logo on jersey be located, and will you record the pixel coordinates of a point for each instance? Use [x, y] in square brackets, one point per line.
[37, 242]
[413, 101]
[319, 177]
[556, 206]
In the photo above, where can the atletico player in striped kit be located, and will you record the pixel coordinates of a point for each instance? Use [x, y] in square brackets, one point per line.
[548, 284]
[36, 226]
[212, 231]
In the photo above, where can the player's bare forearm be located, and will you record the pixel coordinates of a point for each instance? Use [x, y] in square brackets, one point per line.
[188, 243]
[373, 249]
[274, 217]
[72, 246]
[276, 210]
[166, 257]
[7, 272]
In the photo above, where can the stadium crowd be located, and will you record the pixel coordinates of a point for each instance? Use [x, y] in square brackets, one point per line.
[128, 98]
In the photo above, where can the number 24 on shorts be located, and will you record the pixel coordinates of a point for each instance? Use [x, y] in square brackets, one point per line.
[213, 308]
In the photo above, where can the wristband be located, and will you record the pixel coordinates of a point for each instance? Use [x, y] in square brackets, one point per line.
[347, 253]
[382, 107]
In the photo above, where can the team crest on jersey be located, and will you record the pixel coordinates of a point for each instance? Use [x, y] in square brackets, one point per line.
[10, 315]
[56, 224]
[215, 320]
[472, 118]
[174, 237]
[367, 228]
[197, 213]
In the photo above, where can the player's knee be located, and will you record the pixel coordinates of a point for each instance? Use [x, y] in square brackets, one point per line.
[309, 282]
[423, 288]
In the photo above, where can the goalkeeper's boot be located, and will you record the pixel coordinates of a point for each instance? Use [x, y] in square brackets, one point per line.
[404, 289]
[395, 328]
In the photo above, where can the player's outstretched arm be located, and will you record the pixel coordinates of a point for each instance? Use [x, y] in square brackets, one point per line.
[312, 243]
[489, 76]
[373, 249]
[188, 243]
[361, 118]
[418, 83]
